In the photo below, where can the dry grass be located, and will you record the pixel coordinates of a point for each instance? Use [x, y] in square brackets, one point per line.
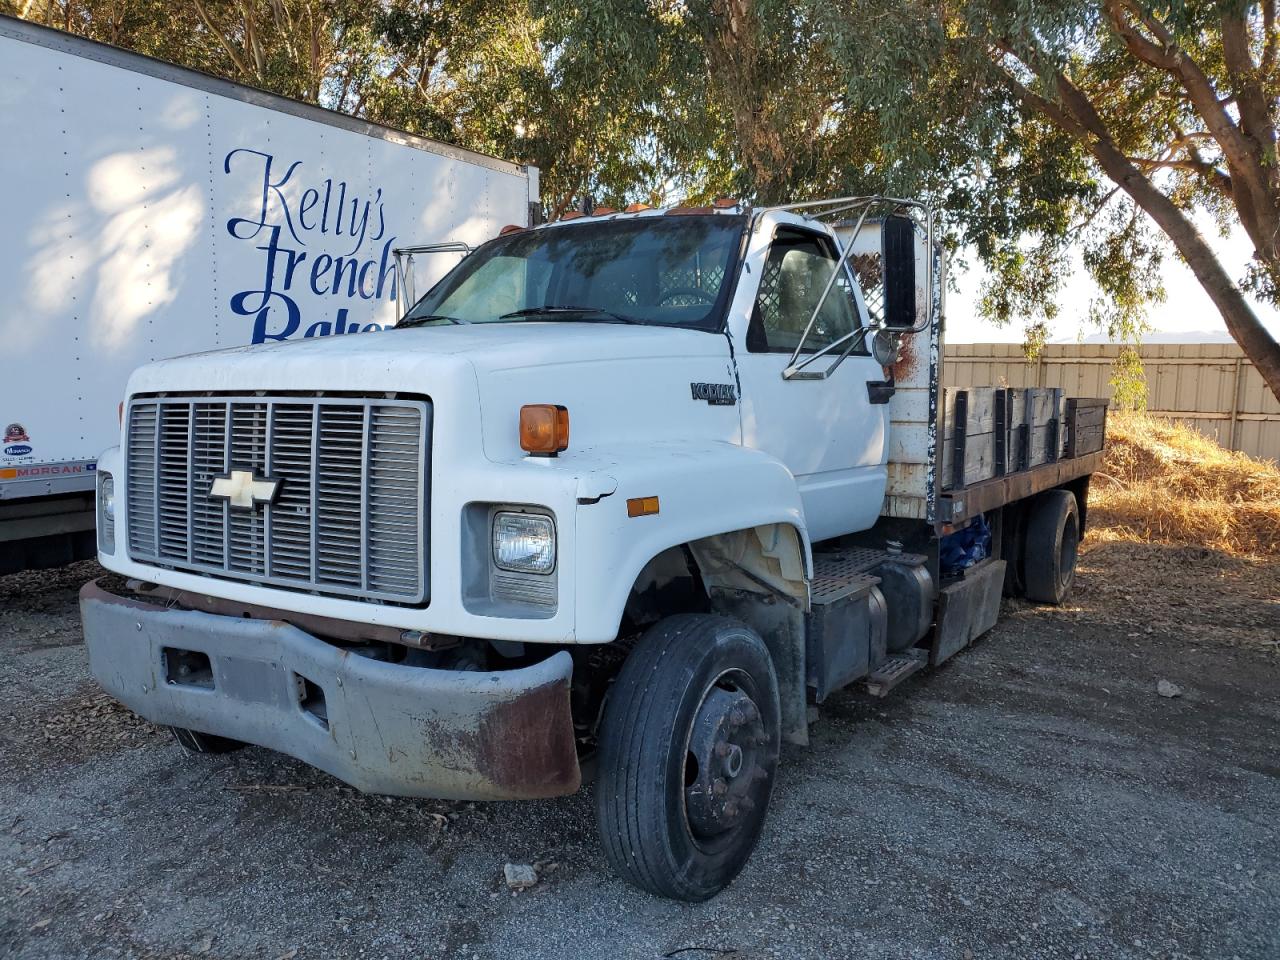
[1163, 482]
[1184, 540]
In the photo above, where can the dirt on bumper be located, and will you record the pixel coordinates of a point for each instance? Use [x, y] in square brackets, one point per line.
[381, 727]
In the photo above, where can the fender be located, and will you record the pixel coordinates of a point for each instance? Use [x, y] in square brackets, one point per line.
[112, 462]
[704, 489]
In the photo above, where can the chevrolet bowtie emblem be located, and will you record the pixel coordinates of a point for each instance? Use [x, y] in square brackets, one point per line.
[244, 490]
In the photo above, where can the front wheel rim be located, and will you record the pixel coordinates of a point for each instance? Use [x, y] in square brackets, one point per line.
[727, 763]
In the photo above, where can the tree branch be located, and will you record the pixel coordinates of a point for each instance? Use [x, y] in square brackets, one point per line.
[1218, 179]
[1270, 37]
[1080, 227]
[1034, 100]
[1186, 140]
[226, 45]
[1255, 119]
[1085, 123]
[1168, 56]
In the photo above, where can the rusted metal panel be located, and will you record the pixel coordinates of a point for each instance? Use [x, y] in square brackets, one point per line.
[906, 479]
[908, 443]
[912, 366]
[384, 728]
[913, 415]
[905, 508]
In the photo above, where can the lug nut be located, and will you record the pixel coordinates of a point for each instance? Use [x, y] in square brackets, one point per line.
[718, 787]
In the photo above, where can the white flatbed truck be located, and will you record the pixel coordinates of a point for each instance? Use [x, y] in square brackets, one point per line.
[632, 492]
[152, 211]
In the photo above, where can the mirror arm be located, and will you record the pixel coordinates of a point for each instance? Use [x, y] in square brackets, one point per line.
[404, 266]
[794, 371]
[826, 291]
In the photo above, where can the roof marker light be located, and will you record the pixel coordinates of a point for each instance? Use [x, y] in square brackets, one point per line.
[544, 429]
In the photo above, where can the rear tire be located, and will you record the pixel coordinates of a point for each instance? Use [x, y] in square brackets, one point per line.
[1052, 542]
[193, 741]
[688, 752]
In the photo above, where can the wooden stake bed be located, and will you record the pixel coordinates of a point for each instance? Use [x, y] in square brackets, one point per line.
[1002, 444]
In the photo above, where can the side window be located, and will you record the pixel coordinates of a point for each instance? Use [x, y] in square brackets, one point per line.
[794, 277]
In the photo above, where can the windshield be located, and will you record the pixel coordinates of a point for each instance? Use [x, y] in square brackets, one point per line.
[662, 270]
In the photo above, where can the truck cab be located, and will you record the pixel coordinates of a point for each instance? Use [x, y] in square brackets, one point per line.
[640, 488]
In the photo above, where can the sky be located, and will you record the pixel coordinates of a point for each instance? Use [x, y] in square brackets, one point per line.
[1187, 314]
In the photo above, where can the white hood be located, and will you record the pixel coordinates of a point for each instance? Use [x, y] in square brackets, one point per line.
[620, 383]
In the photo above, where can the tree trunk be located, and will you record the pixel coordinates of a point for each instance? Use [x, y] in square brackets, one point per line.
[1242, 323]
[1076, 114]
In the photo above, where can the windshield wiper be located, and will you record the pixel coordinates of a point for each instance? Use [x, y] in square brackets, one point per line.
[427, 318]
[583, 312]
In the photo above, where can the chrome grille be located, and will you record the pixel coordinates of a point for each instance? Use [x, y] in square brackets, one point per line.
[349, 515]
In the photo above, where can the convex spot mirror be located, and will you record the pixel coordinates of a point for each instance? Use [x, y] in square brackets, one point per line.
[898, 261]
[884, 347]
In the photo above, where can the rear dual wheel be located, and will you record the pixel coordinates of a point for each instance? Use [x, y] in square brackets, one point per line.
[688, 752]
[1051, 546]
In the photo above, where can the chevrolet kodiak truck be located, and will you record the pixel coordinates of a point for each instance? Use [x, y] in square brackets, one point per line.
[629, 493]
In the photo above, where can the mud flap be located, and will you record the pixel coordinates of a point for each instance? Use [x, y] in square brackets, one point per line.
[967, 609]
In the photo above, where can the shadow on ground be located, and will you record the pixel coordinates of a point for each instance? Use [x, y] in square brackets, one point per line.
[1034, 798]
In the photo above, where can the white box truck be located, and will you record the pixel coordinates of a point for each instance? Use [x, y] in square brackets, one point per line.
[632, 493]
[153, 211]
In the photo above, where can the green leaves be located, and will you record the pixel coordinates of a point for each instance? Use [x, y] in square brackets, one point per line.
[959, 102]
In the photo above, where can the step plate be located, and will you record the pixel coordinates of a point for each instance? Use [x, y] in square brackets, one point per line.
[840, 573]
[828, 588]
[891, 673]
[853, 560]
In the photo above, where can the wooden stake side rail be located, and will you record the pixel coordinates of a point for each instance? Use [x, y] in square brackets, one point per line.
[1001, 444]
[956, 506]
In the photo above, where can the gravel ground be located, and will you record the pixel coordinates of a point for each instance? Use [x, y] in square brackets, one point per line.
[1034, 798]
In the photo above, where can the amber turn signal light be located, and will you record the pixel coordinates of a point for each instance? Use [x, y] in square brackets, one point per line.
[544, 429]
[642, 506]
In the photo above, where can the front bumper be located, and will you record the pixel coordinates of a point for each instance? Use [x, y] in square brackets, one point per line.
[383, 728]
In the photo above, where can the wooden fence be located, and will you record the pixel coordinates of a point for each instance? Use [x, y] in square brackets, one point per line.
[1210, 386]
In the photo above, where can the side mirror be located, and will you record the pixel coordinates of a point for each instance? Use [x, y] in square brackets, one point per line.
[898, 262]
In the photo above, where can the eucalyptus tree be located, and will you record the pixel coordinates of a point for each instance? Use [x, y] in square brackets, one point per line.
[737, 97]
[1108, 123]
[1043, 128]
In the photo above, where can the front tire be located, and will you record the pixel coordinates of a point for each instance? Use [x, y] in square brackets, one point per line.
[688, 752]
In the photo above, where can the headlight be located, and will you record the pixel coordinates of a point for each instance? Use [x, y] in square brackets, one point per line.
[107, 497]
[524, 543]
[106, 513]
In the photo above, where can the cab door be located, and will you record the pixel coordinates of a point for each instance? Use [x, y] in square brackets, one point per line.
[825, 429]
